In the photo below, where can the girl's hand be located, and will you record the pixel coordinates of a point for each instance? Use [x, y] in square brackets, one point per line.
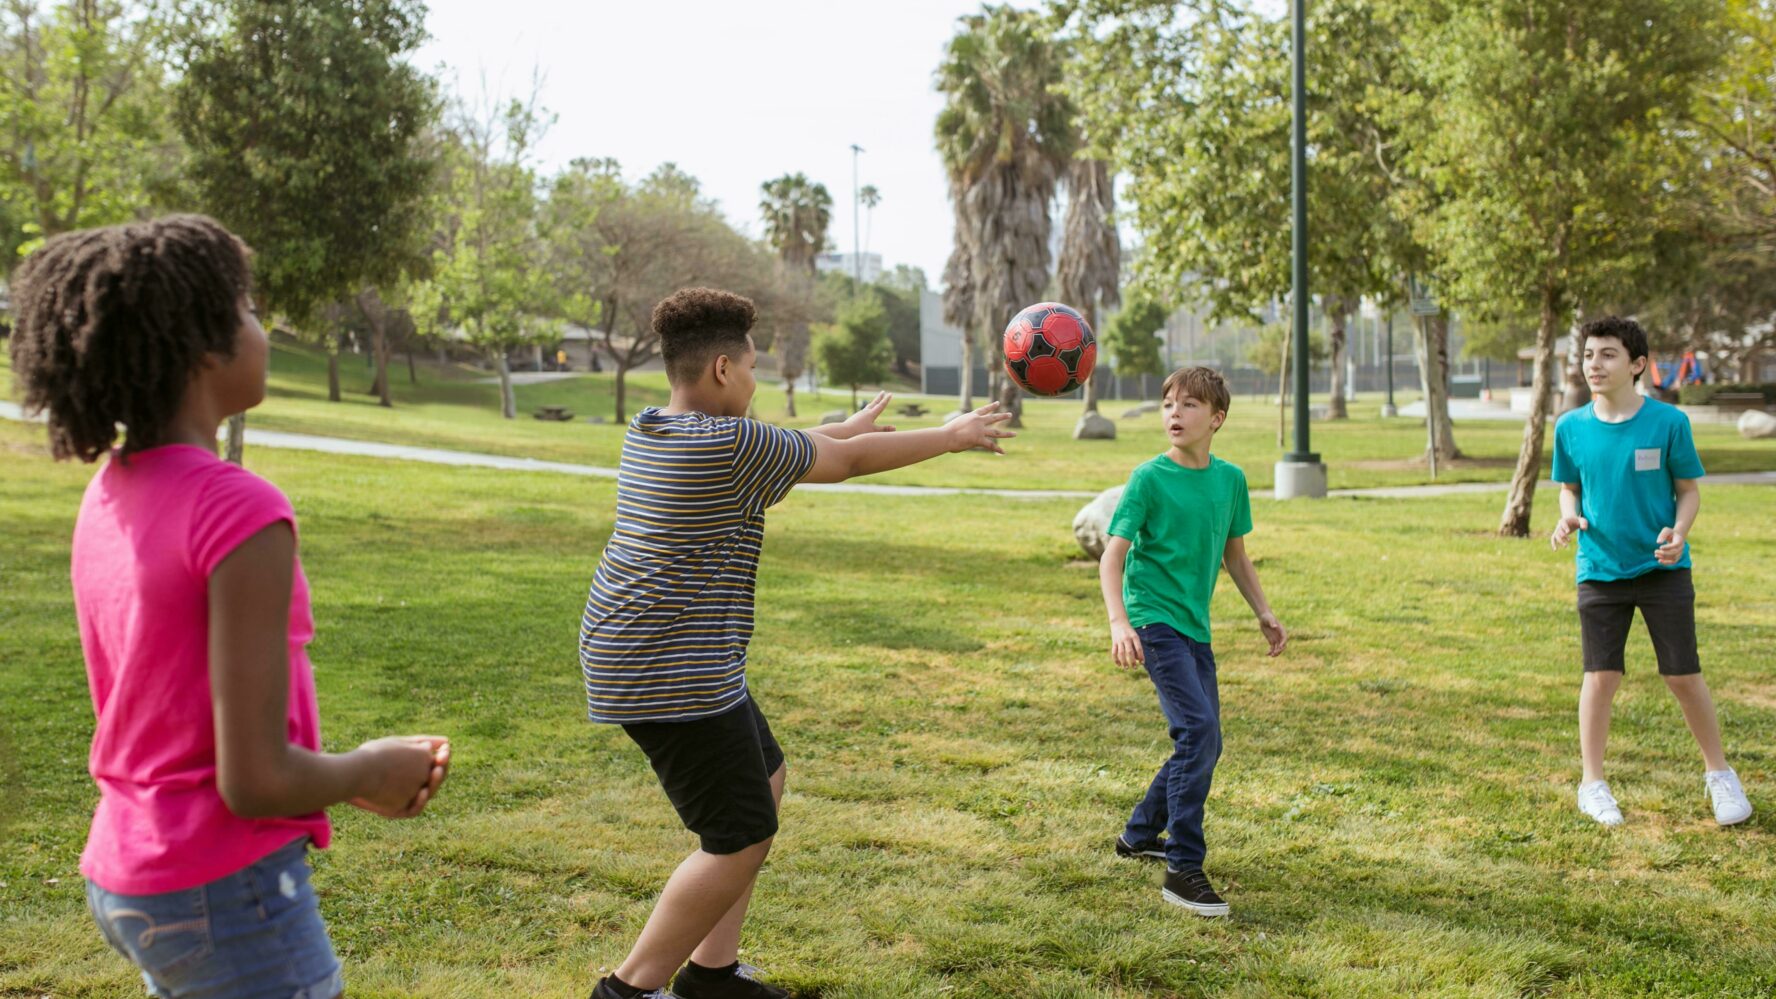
[401, 773]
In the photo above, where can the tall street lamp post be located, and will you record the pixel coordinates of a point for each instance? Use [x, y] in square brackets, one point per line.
[1300, 473]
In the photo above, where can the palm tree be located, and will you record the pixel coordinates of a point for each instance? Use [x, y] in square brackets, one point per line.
[1005, 133]
[797, 213]
[869, 197]
[1091, 255]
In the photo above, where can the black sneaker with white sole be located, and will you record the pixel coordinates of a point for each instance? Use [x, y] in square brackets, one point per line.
[603, 990]
[1191, 890]
[744, 982]
[1139, 851]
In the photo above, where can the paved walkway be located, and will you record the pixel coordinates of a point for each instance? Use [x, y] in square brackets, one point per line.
[401, 452]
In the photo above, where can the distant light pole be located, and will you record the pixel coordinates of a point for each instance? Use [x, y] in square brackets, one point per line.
[1390, 409]
[856, 229]
[1300, 473]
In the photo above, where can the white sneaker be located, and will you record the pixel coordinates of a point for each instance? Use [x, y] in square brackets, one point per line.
[1596, 801]
[1730, 804]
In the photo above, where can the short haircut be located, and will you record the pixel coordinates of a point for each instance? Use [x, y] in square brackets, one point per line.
[1632, 337]
[112, 322]
[1200, 383]
[696, 325]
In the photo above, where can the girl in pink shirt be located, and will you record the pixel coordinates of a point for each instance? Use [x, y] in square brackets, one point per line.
[194, 619]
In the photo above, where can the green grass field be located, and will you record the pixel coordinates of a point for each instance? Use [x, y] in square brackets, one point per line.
[458, 408]
[1393, 815]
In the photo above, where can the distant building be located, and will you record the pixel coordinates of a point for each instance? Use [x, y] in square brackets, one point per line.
[940, 351]
[846, 263]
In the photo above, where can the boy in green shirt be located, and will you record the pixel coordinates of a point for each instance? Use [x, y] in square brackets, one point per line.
[1182, 516]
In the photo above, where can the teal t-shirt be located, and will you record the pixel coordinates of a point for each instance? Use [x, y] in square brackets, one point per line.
[1624, 472]
[1177, 521]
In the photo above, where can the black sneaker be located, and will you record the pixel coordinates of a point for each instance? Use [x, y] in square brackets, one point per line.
[1191, 890]
[1144, 851]
[603, 991]
[744, 983]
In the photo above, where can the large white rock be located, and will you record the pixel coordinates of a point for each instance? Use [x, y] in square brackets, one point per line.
[1142, 410]
[1092, 523]
[1094, 426]
[833, 416]
[1754, 424]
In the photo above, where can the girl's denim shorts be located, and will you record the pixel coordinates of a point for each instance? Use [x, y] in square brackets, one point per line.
[254, 934]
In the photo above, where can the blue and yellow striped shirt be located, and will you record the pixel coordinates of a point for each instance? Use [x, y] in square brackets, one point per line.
[670, 613]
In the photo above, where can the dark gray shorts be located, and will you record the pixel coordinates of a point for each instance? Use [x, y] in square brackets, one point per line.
[1667, 603]
[717, 773]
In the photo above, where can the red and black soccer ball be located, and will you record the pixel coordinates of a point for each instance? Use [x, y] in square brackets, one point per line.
[1050, 349]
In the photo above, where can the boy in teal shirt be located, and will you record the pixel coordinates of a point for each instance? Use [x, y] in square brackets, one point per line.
[1629, 475]
[1181, 517]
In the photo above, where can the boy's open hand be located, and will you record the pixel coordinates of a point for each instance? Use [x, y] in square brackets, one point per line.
[406, 772]
[1566, 527]
[1125, 646]
[1671, 547]
[1273, 633]
[979, 429]
[864, 420]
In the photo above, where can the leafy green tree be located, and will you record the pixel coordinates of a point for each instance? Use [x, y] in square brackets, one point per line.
[1556, 137]
[854, 349]
[308, 129]
[1128, 337]
[85, 134]
[490, 283]
[797, 213]
[1005, 133]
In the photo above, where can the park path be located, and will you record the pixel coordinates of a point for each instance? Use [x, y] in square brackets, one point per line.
[470, 459]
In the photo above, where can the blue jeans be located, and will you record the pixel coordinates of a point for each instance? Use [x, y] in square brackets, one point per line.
[253, 934]
[1183, 674]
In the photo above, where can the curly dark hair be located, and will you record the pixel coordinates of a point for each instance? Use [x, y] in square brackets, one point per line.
[111, 322]
[697, 324]
[1629, 332]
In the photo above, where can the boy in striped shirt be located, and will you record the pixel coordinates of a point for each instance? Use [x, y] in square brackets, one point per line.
[663, 640]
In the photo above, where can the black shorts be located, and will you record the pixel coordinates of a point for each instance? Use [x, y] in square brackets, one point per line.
[1667, 604]
[717, 773]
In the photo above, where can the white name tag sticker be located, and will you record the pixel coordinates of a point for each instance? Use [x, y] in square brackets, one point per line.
[1646, 459]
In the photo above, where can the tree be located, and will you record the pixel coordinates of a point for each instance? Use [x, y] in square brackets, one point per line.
[1004, 133]
[1554, 137]
[797, 214]
[1128, 337]
[85, 135]
[869, 198]
[1090, 269]
[490, 283]
[854, 349]
[901, 290]
[1269, 353]
[324, 174]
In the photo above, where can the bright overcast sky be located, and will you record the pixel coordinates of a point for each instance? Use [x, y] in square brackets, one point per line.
[734, 93]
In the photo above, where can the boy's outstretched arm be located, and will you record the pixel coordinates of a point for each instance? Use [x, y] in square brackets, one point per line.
[1245, 576]
[1125, 645]
[838, 460]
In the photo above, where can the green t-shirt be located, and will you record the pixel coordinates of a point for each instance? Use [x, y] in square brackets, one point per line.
[1178, 520]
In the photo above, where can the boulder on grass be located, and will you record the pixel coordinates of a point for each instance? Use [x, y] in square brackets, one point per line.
[834, 416]
[1091, 525]
[1142, 410]
[1754, 425]
[1094, 426]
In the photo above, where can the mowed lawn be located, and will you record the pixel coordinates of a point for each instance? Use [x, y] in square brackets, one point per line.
[1393, 815]
[456, 407]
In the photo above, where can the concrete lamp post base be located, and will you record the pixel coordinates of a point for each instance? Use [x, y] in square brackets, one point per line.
[1300, 479]
[1388, 409]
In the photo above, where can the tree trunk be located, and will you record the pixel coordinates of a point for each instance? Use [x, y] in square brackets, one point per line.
[622, 392]
[967, 372]
[508, 402]
[1011, 400]
[1339, 313]
[379, 348]
[1515, 522]
[789, 395]
[1283, 393]
[237, 437]
[412, 372]
[1432, 347]
[333, 367]
[1091, 391]
[1577, 392]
